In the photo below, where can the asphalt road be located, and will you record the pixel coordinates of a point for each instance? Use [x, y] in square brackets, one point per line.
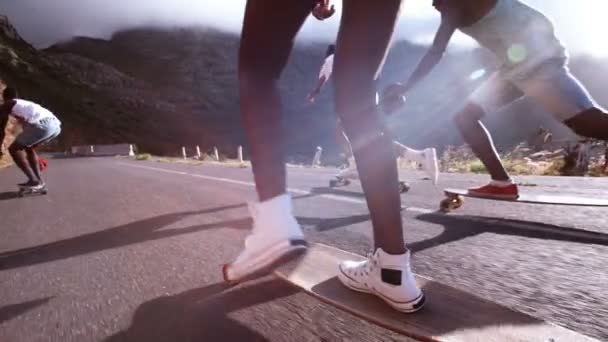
[121, 250]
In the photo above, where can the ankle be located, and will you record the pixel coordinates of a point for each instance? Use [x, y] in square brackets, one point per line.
[502, 182]
[391, 253]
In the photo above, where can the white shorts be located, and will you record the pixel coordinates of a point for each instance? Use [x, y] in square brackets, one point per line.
[551, 85]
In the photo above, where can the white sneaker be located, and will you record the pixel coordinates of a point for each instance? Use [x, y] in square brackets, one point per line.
[348, 173]
[275, 239]
[386, 276]
[430, 164]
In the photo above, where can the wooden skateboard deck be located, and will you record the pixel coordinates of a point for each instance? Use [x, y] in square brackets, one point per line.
[454, 199]
[448, 315]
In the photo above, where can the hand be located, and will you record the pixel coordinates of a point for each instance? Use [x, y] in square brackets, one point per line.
[393, 98]
[310, 98]
[322, 10]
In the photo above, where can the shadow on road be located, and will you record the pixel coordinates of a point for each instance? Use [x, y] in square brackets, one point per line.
[9, 195]
[461, 227]
[134, 232]
[131, 233]
[325, 224]
[11, 311]
[201, 314]
[335, 191]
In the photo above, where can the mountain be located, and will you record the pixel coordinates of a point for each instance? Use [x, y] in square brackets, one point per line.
[200, 64]
[164, 88]
[95, 102]
[197, 68]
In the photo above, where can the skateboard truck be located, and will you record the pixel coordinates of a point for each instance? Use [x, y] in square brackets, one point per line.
[25, 190]
[342, 181]
[451, 202]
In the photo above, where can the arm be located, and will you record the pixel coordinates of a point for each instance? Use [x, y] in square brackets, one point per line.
[324, 76]
[322, 9]
[317, 89]
[4, 112]
[433, 55]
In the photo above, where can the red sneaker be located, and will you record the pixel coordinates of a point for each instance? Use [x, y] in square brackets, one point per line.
[494, 191]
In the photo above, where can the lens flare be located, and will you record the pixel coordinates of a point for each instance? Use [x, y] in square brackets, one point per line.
[477, 74]
[517, 53]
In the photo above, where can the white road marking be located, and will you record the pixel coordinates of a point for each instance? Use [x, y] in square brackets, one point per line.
[517, 225]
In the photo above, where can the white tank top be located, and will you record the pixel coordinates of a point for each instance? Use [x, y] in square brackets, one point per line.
[30, 112]
[520, 36]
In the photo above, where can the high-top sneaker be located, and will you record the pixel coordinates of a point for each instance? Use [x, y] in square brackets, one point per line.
[275, 239]
[386, 276]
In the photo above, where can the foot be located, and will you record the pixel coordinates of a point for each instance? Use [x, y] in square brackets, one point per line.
[430, 164]
[497, 189]
[276, 238]
[348, 173]
[386, 276]
[32, 184]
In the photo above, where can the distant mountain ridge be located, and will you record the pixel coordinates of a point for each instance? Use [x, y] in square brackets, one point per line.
[163, 88]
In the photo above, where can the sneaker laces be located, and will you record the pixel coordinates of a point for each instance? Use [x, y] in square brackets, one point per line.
[369, 264]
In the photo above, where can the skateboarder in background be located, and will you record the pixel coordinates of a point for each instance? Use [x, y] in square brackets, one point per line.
[533, 59]
[366, 29]
[39, 127]
[427, 157]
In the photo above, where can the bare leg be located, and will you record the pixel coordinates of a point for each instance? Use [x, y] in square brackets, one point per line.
[479, 139]
[267, 38]
[344, 143]
[360, 54]
[409, 153]
[592, 123]
[18, 153]
[32, 158]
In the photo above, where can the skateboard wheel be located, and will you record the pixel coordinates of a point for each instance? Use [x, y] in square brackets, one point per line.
[403, 187]
[225, 275]
[451, 203]
[457, 202]
[345, 181]
[333, 183]
[445, 206]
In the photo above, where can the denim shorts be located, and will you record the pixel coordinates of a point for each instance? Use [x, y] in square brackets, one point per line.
[551, 85]
[39, 133]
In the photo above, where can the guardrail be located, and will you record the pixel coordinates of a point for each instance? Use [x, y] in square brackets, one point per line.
[104, 150]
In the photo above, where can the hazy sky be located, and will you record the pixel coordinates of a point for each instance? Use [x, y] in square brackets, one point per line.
[44, 22]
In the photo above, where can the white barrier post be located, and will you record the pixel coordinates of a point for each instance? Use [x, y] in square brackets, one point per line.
[198, 152]
[184, 152]
[131, 152]
[316, 161]
[240, 154]
[92, 150]
[216, 154]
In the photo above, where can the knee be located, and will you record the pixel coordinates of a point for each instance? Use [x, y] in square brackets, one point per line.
[16, 147]
[354, 99]
[575, 126]
[470, 114]
[366, 133]
[252, 78]
[259, 67]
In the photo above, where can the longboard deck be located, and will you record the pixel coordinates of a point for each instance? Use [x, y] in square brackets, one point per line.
[539, 199]
[449, 314]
